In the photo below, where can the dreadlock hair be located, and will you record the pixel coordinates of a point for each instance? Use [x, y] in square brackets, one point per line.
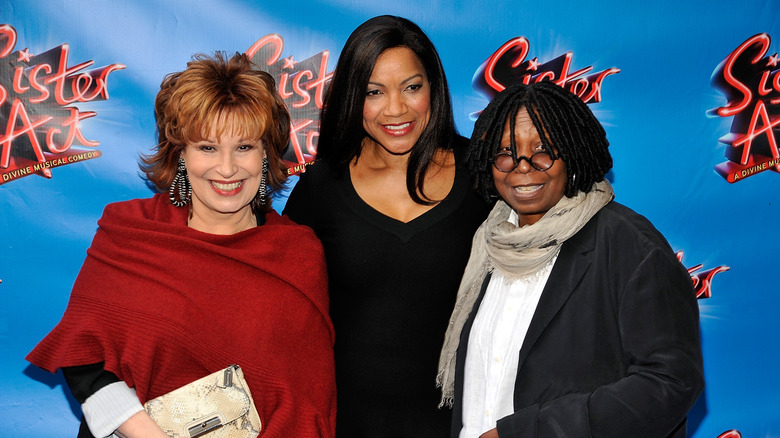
[565, 124]
[341, 120]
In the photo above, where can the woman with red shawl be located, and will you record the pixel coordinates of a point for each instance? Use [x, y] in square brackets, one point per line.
[183, 284]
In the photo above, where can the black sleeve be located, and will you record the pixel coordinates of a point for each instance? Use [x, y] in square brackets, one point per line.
[85, 380]
[299, 203]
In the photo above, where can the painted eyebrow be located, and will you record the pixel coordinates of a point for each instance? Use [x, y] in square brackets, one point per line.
[409, 79]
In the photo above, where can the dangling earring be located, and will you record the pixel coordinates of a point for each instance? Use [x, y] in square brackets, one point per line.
[262, 190]
[182, 183]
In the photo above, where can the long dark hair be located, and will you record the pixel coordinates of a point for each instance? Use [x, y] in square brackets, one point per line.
[341, 121]
[565, 124]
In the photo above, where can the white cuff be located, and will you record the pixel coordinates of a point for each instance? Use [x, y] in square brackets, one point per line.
[112, 405]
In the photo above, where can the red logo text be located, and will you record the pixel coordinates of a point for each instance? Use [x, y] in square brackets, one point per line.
[508, 66]
[39, 121]
[702, 280]
[302, 85]
[750, 80]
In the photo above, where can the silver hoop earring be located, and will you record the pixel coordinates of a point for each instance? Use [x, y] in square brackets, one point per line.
[182, 183]
[262, 191]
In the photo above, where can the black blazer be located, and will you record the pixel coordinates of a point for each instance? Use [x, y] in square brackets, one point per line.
[613, 348]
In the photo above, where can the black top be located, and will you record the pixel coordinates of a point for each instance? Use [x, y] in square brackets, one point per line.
[392, 289]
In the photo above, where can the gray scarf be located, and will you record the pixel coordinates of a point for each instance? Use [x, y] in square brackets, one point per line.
[515, 252]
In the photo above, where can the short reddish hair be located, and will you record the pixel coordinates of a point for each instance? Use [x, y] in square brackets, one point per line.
[214, 90]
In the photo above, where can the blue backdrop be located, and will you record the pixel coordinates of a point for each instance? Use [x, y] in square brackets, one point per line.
[665, 142]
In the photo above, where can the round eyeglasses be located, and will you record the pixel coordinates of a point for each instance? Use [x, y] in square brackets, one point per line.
[505, 161]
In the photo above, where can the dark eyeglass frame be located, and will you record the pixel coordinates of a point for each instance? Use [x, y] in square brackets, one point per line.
[516, 160]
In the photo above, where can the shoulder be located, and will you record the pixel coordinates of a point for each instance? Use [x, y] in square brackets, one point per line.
[619, 232]
[459, 146]
[617, 220]
[459, 142]
[625, 246]
[274, 219]
[135, 207]
[321, 171]
[315, 187]
[156, 208]
[284, 225]
[317, 175]
[293, 245]
[126, 206]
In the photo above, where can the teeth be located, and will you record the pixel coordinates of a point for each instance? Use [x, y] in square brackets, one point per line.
[226, 187]
[397, 127]
[527, 189]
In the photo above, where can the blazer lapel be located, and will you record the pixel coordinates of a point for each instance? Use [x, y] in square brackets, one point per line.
[570, 267]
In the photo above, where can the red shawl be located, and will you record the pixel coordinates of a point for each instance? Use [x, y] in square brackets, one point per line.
[163, 304]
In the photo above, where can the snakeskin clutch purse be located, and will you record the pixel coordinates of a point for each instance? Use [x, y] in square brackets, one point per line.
[216, 406]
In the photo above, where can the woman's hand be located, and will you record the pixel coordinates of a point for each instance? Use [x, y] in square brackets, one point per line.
[141, 425]
[492, 433]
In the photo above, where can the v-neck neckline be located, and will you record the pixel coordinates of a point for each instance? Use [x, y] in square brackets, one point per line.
[406, 230]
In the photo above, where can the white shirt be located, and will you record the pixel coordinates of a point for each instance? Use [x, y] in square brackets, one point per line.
[494, 344]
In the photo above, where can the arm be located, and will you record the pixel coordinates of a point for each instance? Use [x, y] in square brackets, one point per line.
[85, 380]
[108, 404]
[299, 202]
[657, 317]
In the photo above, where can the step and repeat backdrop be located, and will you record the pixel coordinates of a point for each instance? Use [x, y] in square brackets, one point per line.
[689, 93]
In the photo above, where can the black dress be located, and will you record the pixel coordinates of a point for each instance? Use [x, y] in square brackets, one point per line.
[392, 289]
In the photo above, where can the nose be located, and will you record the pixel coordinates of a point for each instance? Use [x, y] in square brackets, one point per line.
[523, 165]
[396, 104]
[227, 164]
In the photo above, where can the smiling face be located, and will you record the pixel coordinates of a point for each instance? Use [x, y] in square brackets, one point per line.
[531, 193]
[225, 175]
[398, 101]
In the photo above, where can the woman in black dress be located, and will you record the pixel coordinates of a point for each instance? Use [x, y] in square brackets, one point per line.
[395, 210]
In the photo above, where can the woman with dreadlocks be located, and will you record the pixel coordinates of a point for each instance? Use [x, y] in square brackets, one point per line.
[574, 318]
